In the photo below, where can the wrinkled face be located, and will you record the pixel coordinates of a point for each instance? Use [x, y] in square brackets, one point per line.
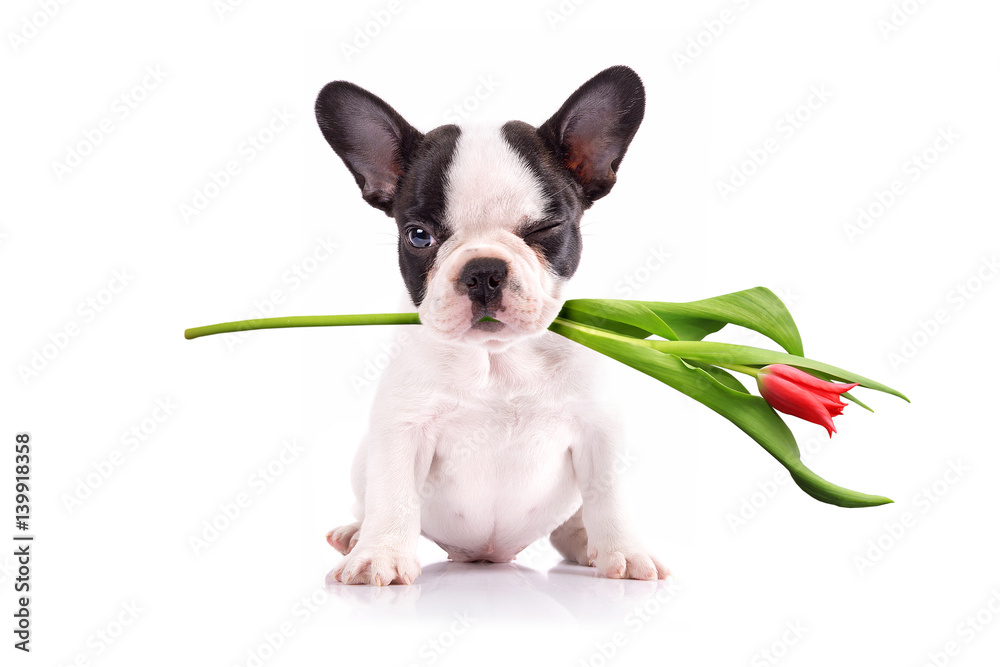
[488, 217]
[489, 226]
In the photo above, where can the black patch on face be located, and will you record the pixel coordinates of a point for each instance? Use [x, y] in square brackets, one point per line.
[420, 202]
[562, 245]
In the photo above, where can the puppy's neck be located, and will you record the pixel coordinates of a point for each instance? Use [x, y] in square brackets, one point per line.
[526, 366]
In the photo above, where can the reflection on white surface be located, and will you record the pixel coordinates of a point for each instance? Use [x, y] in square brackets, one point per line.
[503, 590]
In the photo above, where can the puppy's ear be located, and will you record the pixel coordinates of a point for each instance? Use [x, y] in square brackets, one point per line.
[594, 127]
[369, 136]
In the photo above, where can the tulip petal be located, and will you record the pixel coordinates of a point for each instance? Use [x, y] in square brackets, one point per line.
[786, 396]
[807, 379]
[831, 403]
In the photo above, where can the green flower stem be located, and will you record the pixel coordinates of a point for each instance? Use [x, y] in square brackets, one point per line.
[723, 355]
[303, 321]
[746, 370]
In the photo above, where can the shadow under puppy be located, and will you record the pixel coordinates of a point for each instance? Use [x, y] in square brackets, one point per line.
[487, 432]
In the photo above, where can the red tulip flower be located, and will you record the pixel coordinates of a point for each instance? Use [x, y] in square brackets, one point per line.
[797, 393]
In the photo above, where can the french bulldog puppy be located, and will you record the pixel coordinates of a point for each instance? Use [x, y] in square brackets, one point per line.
[487, 431]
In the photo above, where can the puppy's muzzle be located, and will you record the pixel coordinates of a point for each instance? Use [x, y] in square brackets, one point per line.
[483, 278]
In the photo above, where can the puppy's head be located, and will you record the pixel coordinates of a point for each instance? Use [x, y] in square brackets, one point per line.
[488, 217]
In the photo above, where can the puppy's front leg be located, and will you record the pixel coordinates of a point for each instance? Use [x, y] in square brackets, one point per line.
[611, 545]
[397, 464]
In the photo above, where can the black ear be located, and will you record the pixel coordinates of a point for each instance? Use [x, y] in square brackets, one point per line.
[369, 136]
[594, 127]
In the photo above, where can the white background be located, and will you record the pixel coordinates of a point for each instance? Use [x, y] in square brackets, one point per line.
[751, 557]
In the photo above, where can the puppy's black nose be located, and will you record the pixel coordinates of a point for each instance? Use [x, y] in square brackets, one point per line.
[484, 277]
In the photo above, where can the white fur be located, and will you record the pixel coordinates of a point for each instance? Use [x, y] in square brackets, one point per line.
[491, 193]
[487, 441]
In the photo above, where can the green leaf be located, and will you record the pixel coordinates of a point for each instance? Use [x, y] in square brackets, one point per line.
[721, 376]
[758, 309]
[628, 318]
[750, 413]
[856, 400]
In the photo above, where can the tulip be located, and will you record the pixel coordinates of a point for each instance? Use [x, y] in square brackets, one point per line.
[665, 341]
[797, 393]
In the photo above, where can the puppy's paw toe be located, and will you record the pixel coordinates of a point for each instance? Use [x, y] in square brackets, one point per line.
[377, 566]
[344, 538]
[625, 563]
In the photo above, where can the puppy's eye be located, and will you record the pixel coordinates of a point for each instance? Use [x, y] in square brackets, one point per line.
[419, 237]
[541, 230]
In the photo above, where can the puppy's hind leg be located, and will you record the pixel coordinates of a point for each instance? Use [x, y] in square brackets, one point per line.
[570, 539]
[344, 538]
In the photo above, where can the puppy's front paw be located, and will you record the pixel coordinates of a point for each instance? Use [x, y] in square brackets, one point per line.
[624, 562]
[378, 566]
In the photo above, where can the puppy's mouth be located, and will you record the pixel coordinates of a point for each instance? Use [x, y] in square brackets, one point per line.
[485, 319]
[488, 324]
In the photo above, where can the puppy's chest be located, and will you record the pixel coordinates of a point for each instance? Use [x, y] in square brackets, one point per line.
[501, 418]
[504, 432]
